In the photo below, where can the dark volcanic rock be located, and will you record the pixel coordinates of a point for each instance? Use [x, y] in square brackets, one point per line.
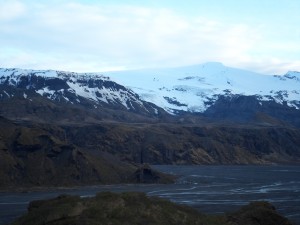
[40, 155]
[145, 174]
[257, 213]
[137, 208]
[191, 144]
[239, 108]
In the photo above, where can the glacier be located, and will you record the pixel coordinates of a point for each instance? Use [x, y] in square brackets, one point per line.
[195, 88]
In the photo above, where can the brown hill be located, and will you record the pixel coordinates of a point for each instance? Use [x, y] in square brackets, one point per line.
[40, 155]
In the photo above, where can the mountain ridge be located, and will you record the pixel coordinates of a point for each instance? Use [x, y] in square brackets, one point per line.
[181, 87]
[210, 90]
[88, 90]
[204, 83]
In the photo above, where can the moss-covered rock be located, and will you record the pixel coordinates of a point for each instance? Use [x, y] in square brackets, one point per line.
[145, 174]
[257, 213]
[108, 208]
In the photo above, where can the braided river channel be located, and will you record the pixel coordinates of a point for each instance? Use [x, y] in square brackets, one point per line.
[210, 189]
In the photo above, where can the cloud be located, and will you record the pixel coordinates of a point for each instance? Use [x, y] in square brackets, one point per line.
[272, 66]
[11, 10]
[94, 37]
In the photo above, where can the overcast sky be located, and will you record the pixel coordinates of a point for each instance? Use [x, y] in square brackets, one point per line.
[94, 36]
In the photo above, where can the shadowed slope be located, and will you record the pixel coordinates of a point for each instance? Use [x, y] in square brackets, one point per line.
[136, 208]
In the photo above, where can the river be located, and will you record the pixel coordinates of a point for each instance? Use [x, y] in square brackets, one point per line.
[211, 189]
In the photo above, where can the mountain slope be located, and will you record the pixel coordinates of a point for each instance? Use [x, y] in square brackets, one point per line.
[209, 89]
[40, 155]
[190, 144]
[88, 90]
[196, 88]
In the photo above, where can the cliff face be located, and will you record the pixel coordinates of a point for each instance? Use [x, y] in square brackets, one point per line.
[44, 154]
[40, 155]
[191, 144]
[81, 153]
[136, 208]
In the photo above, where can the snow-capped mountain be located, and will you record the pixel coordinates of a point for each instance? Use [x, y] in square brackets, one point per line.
[211, 89]
[73, 88]
[196, 88]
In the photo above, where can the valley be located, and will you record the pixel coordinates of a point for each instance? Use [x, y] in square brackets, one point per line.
[60, 130]
[64, 128]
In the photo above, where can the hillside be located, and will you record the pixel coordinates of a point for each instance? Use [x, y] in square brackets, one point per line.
[191, 144]
[48, 94]
[39, 155]
[137, 208]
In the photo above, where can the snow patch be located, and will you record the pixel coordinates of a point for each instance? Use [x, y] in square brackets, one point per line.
[6, 94]
[45, 91]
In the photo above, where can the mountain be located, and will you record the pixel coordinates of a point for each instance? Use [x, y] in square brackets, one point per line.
[209, 90]
[36, 110]
[91, 126]
[218, 92]
[56, 91]
[196, 88]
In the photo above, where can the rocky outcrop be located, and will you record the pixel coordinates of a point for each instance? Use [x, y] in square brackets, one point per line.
[137, 208]
[257, 213]
[249, 109]
[39, 155]
[191, 144]
[145, 174]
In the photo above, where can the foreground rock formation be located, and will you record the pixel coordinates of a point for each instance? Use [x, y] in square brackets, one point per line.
[136, 208]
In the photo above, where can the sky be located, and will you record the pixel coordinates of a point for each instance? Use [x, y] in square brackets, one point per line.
[97, 35]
